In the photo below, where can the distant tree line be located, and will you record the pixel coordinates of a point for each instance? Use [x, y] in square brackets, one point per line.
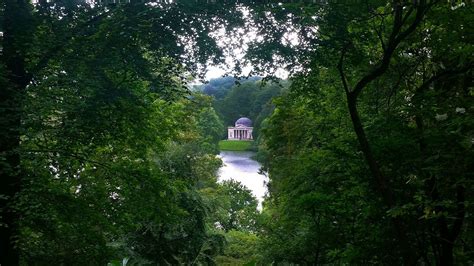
[250, 98]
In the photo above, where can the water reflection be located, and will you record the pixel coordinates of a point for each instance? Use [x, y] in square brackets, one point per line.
[239, 166]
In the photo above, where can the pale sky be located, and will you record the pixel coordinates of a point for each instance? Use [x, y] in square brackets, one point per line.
[217, 72]
[235, 45]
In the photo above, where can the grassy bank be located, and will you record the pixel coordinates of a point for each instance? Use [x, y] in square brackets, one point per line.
[236, 145]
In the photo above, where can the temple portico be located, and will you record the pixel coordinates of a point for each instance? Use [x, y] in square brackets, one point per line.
[242, 130]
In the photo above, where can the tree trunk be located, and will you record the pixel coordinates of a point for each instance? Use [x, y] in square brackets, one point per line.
[10, 171]
[409, 256]
[9, 181]
[446, 256]
[382, 183]
[15, 25]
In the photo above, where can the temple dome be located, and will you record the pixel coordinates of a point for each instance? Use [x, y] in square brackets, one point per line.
[243, 121]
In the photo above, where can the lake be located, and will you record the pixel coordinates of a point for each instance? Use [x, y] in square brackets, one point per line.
[239, 166]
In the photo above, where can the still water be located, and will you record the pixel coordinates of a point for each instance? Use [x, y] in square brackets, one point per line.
[239, 166]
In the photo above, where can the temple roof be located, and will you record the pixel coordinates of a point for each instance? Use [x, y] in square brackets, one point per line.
[243, 121]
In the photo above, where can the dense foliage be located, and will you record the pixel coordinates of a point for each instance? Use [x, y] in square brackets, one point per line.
[108, 156]
[370, 154]
[220, 87]
[104, 152]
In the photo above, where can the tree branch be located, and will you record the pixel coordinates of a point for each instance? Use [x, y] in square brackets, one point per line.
[395, 38]
[445, 73]
[341, 70]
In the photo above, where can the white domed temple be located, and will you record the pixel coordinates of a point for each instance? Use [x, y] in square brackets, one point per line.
[242, 130]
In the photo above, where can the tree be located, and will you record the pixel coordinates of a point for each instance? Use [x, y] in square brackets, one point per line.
[237, 103]
[405, 21]
[208, 122]
[219, 87]
[394, 77]
[251, 99]
[239, 208]
[241, 249]
[319, 203]
[43, 43]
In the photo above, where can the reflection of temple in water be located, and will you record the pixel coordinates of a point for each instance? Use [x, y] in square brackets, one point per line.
[242, 130]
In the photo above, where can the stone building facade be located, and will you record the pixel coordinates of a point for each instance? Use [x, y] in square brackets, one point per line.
[241, 131]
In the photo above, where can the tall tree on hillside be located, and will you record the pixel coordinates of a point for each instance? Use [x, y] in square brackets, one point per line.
[393, 62]
[46, 39]
[396, 44]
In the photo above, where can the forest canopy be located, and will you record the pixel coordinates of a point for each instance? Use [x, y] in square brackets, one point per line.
[108, 151]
